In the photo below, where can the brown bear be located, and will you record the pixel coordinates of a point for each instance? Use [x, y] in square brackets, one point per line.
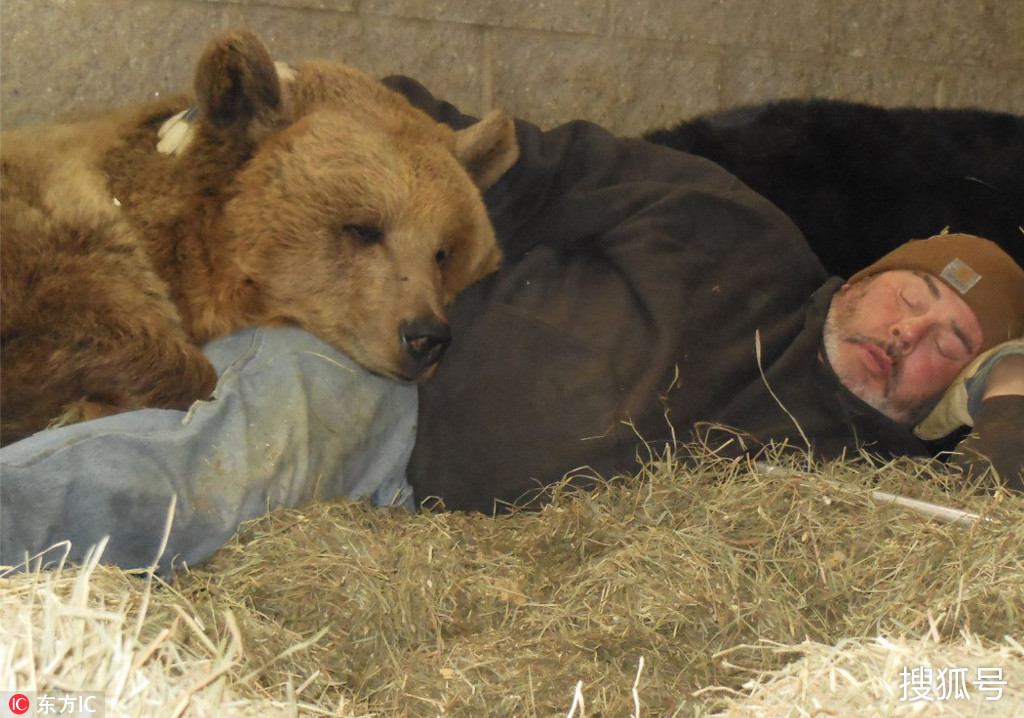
[318, 198]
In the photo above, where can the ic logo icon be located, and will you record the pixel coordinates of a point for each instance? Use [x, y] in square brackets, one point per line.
[18, 704]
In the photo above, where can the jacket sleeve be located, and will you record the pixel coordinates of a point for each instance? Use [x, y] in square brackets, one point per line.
[996, 445]
[961, 400]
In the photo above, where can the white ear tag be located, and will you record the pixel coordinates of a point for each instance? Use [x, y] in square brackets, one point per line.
[176, 133]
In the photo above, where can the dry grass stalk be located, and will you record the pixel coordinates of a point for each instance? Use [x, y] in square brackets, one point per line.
[859, 677]
[89, 628]
[711, 573]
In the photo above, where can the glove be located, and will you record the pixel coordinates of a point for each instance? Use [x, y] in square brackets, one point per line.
[962, 400]
[997, 442]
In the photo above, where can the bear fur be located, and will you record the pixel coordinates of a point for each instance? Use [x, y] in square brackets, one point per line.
[860, 180]
[318, 198]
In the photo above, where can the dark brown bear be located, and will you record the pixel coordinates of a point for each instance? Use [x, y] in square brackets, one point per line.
[317, 198]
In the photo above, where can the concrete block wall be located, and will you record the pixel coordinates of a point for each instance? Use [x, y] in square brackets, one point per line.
[628, 64]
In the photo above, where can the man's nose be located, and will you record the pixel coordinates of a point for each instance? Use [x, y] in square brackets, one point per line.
[908, 331]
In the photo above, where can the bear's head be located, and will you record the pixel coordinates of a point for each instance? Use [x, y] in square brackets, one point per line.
[350, 213]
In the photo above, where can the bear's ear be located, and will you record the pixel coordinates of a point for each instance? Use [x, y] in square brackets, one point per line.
[488, 149]
[236, 83]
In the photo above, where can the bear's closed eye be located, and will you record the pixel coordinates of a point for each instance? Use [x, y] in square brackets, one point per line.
[364, 233]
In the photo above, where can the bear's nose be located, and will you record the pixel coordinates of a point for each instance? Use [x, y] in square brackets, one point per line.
[424, 340]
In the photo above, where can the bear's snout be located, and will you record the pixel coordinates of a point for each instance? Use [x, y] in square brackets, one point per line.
[424, 341]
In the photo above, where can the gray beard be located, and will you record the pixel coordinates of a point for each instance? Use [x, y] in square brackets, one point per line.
[883, 404]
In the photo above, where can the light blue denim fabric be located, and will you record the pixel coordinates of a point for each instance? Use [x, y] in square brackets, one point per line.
[976, 384]
[292, 420]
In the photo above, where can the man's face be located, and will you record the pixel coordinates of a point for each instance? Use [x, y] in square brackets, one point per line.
[898, 339]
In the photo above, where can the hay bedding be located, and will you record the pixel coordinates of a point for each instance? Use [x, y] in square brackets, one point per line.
[686, 590]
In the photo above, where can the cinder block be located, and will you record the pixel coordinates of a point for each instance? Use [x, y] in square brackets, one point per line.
[340, 5]
[757, 76]
[998, 90]
[986, 32]
[574, 16]
[794, 25]
[627, 86]
[629, 64]
[446, 58]
[117, 52]
[885, 82]
[58, 57]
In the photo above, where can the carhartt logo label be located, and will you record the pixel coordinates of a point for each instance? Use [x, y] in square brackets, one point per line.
[960, 276]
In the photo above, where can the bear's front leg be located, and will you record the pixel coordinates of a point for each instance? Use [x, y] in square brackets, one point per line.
[87, 363]
[192, 379]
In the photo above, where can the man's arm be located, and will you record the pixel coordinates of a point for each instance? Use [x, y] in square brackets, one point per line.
[989, 395]
[1006, 378]
[998, 436]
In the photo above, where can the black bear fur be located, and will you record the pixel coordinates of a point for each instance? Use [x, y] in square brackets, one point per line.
[860, 180]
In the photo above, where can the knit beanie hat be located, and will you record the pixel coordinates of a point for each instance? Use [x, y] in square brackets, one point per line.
[981, 273]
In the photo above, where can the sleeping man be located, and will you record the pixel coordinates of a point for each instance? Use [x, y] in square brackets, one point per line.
[646, 295]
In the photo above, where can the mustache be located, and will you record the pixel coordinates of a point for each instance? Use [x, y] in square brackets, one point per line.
[892, 351]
